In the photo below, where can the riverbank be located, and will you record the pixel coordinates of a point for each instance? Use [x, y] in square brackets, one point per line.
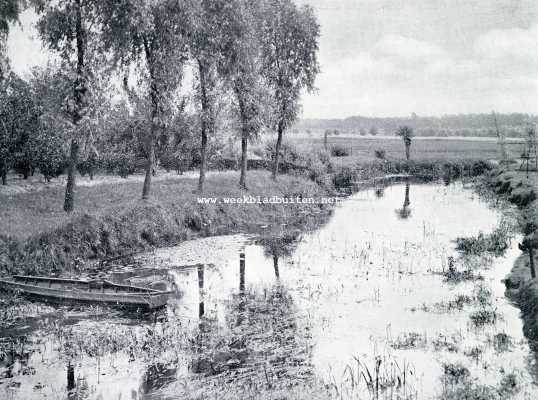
[111, 220]
[520, 286]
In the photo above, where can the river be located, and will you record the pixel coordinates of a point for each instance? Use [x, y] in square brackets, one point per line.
[365, 306]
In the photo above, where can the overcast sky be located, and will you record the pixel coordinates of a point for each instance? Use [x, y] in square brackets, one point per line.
[395, 57]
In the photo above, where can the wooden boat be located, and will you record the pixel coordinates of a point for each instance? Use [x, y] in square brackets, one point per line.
[88, 291]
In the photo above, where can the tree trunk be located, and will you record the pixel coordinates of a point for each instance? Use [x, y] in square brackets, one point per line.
[531, 262]
[275, 266]
[244, 160]
[277, 151]
[325, 140]
[154, 98]
[69, 201]
[204, 123]
[407, 151]
[4, 175]
[149, 165]
[79, 91]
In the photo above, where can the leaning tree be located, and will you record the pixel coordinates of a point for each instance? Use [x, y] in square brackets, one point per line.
[289, 37]
[149, 35]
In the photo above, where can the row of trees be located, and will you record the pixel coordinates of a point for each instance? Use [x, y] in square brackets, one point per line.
[258, 56]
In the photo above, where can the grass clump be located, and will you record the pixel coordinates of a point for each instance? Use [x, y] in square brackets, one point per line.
[484, 316]
[455, 275]
[496, 243]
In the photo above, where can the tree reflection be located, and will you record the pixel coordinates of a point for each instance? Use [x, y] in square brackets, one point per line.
[265, 343]
[405, 211]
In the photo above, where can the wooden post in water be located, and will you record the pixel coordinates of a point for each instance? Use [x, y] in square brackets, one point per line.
[201, 307]
[241, 272]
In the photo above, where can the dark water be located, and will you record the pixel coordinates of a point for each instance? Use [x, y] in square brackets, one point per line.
[364, 296]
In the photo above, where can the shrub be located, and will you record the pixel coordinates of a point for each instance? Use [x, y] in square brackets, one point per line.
[344, 177]
[123, 164]
[339, 151]
[380, 154]
[89, 165]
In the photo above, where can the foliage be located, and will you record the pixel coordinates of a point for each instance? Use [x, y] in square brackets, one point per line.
[380, 154]
[406, 133]
[18, 122]
[50, 146]
[150, 36]
[289, 45]
[339, 151]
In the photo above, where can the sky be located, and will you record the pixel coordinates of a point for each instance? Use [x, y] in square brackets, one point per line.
[396, 57]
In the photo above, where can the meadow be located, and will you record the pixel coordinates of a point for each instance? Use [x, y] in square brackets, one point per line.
[363, 148]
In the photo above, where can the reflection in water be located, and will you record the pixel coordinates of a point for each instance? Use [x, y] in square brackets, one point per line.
[358, 287]
[379, 192]
[201, 309]
[71, 381]
[405, 211]
[241, 272]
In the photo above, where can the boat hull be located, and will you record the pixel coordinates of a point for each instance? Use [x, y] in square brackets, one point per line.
[143, 300]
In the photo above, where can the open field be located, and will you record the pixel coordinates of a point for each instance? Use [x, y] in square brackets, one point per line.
[363, 148]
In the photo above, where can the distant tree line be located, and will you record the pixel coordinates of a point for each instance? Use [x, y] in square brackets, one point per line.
[481, 125]
[113, 98]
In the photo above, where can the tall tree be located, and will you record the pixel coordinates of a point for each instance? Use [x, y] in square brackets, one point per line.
[18, 121]
[205, 44]
[149, 35]
[241, 65]
[67, 27]
[9, 13]
[289, 38]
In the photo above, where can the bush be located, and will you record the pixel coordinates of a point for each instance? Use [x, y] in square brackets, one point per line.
[89, 165]
[344, 177]
[288, 153]
[380, 154]
[123, 164]
[52, 163]
[339, 151]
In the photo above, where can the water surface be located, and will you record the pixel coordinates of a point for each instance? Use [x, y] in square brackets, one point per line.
[327, 307]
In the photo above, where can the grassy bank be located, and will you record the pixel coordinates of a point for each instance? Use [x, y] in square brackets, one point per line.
[111, 221]
[523, 192]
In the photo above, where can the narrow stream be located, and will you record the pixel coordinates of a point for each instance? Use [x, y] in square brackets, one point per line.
[363, 306]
